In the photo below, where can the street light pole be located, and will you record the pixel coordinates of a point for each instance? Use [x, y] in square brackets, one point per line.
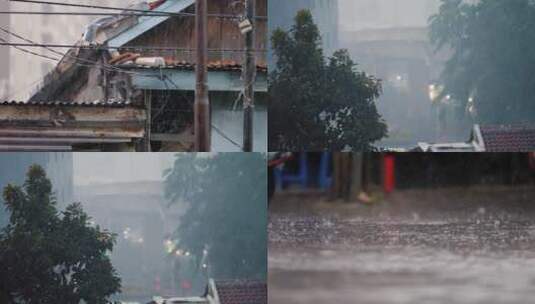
[202, 103]
[249, 74]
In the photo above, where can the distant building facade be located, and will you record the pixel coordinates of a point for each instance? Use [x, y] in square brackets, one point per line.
[325, 12]
[389, 39]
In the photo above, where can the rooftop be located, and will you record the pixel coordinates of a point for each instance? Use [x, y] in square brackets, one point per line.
[508, 138]
[242, 292]
[72, 104]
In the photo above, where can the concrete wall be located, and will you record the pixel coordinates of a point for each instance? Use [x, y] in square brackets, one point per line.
[228, 117]
[26, 71]
[4, 53]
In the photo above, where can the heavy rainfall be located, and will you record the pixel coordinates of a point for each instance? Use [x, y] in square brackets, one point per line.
[402, 75]
[129, 73]
[413, 228]
[185, 227]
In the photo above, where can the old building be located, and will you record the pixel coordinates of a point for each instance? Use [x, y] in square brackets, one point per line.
[147, 62]
[40, 29]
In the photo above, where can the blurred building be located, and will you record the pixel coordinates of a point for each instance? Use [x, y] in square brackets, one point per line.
[389, 39]
[139, 214]
[58, 166]
[282, 13]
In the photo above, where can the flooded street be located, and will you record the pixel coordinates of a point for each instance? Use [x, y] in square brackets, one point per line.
[466, 248]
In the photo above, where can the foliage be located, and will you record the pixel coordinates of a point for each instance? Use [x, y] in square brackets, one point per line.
[52, 257]
[491, 71]
[226, 201]
[318, 104]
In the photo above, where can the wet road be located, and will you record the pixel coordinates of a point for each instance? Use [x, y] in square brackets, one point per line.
[482, 253]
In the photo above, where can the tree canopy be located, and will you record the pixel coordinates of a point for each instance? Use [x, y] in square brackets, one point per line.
[491, 72]
[226, 199]
[51, 256]
[319, 103]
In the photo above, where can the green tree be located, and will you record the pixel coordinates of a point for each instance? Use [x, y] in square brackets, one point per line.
[319, 104]
[226, 199]
[491, 71]
[48, 256]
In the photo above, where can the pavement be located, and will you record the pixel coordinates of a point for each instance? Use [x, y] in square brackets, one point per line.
[456, 245]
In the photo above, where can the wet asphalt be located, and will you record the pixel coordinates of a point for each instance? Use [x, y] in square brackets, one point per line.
[443, 246]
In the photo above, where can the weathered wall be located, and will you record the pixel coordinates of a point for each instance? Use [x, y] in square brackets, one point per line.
[228, 117]
[4, 54]
[223, 33]
[27, 71]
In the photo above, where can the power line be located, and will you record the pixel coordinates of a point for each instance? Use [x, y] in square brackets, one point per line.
[83, 14]
[102, 7]
[28, 40]
[90, 63]
[141, 48]
[32, 53]
[225, 136]
[148, 12]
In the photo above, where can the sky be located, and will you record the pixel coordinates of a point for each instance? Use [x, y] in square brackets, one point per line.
[98, 168]
[366, 14]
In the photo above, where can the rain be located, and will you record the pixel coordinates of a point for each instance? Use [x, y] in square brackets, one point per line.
[180, 221]
[436, 238]
[449, 75]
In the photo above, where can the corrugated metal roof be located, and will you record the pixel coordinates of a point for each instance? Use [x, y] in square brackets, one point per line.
[184, 65]
[97, 104]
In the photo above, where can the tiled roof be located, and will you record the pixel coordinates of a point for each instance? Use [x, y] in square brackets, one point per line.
[512, 138]
[242, 292]
[212, 66]
[96, 104]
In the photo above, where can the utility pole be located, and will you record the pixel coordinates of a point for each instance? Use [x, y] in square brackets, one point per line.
[249, 74]
[201, 114]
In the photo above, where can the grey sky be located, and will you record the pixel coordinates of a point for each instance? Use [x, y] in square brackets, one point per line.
[366, 14]
[119, 167]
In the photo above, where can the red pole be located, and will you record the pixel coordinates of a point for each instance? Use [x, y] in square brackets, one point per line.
[389, 182]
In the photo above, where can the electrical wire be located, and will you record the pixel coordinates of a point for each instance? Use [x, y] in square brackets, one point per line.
[82, 14]
[220, 132]
[32, 53]
[89, 63]
[28, 40]
[102, 7]
[141, 48]
[148, 12]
